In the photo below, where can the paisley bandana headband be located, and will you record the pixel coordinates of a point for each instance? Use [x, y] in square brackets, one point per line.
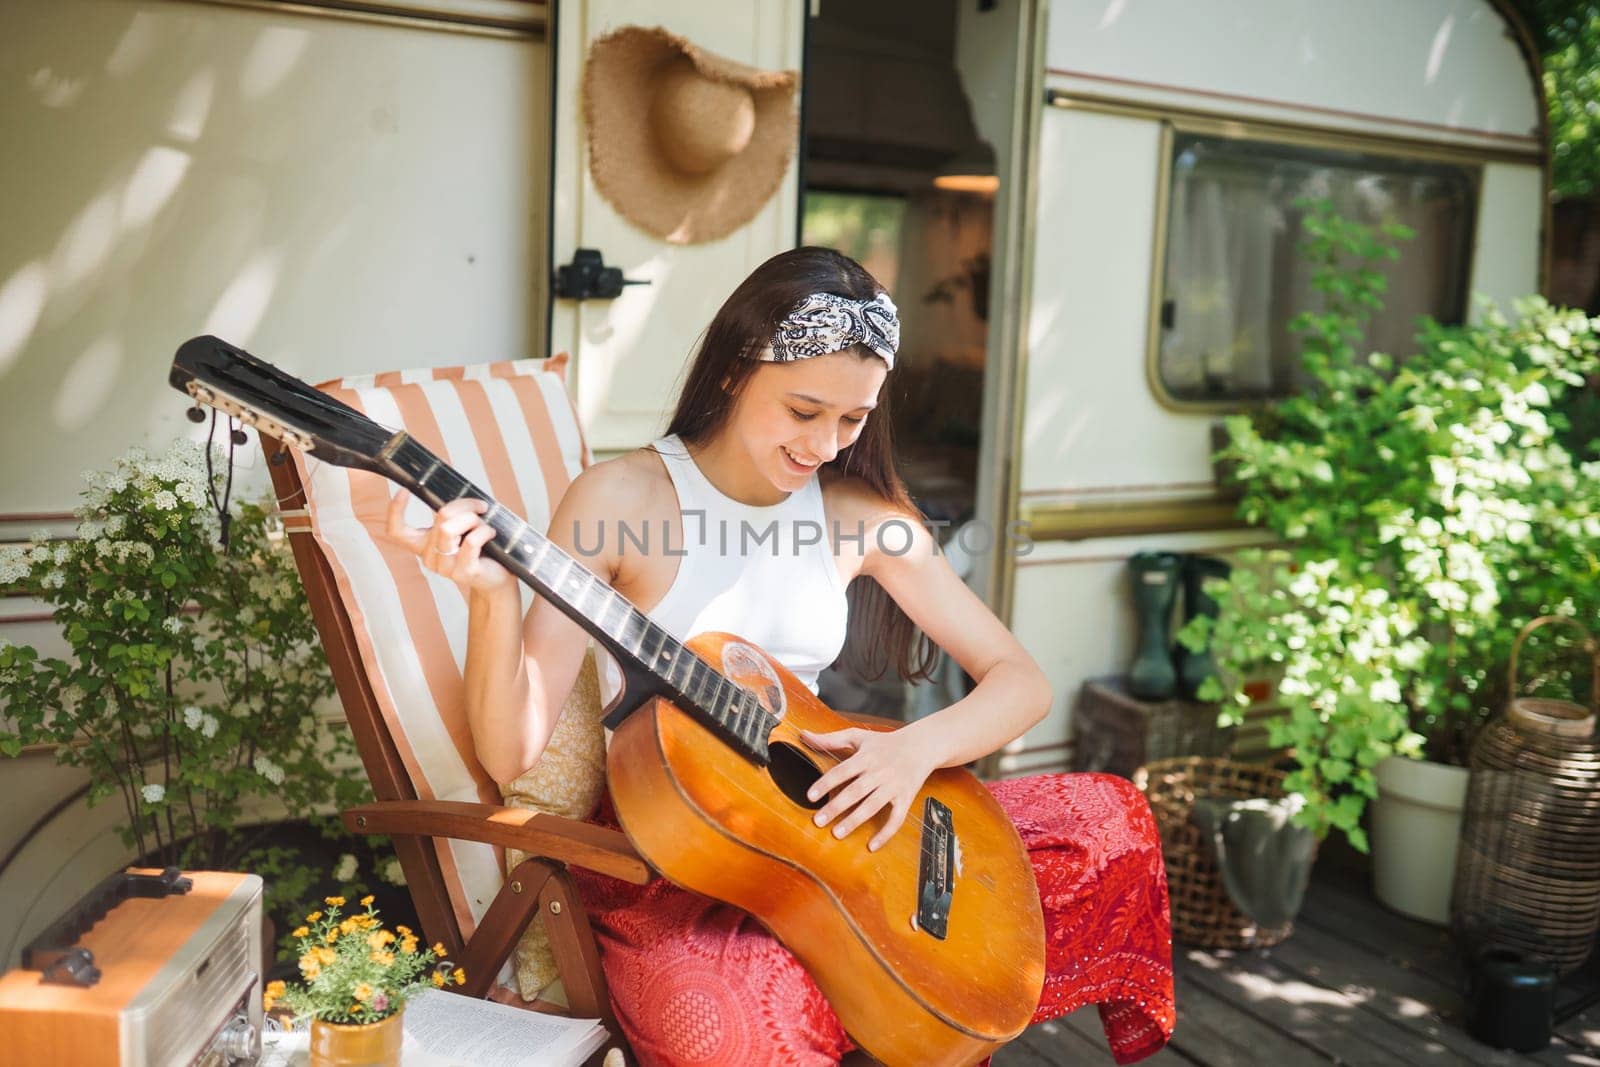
[823, 323]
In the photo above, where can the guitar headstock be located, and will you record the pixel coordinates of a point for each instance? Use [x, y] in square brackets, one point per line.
[219, 375]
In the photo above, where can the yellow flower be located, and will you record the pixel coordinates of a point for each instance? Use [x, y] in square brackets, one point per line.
[379, 938]
[354, 1008]
[405, 931]
[270, 995]
[363, 992]
[301, 931]
[385, 958]
[310, 966]
[313, 917]
[333, 935]
[333, 902]
[438, 979]
[325, 954]
[366, 902]
[460, 976]
[409, 946]
[438, 949]
[349, 926]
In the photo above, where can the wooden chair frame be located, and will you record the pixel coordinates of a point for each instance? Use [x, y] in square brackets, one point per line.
[540, 884]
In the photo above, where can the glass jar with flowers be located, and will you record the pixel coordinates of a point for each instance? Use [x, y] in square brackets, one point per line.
[358, 977]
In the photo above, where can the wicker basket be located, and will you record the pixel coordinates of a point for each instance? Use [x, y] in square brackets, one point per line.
[1202, 912]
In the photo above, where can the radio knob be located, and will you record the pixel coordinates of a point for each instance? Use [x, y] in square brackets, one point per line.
[239, 1040]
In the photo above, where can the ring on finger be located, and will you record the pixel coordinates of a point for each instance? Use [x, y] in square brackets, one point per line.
[452, 552]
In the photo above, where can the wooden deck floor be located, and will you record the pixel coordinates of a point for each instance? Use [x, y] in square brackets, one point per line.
[1355, 984]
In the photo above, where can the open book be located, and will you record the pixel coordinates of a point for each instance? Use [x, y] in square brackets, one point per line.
[450, 1030]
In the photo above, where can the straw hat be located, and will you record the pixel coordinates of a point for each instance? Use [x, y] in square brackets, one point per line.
[684, 144]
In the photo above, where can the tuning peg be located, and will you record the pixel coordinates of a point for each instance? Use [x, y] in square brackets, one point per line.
[196, 414]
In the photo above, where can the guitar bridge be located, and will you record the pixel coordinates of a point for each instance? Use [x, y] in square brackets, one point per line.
[936, 871]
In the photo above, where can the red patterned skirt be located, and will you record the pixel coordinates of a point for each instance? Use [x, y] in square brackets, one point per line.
[696, 982]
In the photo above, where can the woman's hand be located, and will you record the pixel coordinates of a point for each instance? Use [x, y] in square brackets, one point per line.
[453, 545]
[879, 769]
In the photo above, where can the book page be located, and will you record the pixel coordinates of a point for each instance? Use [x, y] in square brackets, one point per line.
[450, 1030]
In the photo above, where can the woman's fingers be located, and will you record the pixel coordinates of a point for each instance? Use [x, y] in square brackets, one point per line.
[870, 805]
[844, 798]
[898, 808]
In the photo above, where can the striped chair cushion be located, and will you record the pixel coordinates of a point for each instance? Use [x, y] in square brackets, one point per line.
[510, 428]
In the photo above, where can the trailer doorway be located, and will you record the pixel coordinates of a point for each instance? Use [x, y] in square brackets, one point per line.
[895, 174]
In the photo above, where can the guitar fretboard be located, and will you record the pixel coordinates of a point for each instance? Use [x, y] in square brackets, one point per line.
[688, 680]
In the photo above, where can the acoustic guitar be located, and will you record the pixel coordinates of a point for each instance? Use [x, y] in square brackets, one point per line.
[931, 949]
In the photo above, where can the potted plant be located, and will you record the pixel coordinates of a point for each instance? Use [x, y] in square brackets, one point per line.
[190, 692]
[358, 977]
[1426, 509]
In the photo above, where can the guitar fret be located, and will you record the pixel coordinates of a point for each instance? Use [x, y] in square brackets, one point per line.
[748, 722]
[688, 670]
[741, 719]
[618, 626]
[632, 635]
[549, 554]
[614, 600]
[660, 637]
[704, 687]
[715, 703]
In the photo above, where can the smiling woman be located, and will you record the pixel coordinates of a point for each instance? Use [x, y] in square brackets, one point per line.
[776, 486]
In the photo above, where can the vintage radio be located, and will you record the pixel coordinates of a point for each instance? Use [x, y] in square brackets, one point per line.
[152, 969]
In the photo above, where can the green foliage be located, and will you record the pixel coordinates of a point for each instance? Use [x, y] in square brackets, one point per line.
[1567, 34]
[355, 970]
[195, 669]
[1427, 510]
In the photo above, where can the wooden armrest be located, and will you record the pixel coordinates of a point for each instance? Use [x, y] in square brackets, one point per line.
[534, 832]
[872, 722]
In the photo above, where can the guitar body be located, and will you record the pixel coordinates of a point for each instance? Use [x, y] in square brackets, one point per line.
[717, 823]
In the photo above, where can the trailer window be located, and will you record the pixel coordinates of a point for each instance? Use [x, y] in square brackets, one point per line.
[1234, 275]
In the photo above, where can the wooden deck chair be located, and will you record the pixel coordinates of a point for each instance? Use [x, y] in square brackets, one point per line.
[395, 635]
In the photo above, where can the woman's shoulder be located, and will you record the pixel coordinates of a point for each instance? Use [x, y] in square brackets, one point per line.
[849, 499]
[628, 485]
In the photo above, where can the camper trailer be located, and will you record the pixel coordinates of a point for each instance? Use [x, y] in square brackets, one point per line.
[1086, 211]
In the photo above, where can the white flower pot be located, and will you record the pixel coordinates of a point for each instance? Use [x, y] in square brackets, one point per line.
[1416, 825]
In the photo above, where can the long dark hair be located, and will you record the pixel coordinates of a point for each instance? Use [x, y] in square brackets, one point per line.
[739, 331]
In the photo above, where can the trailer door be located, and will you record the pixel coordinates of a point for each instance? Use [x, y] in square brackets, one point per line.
[629, 352]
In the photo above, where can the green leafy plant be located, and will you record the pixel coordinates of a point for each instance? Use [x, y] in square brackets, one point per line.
[1426, 509]
[1567, 35]
[194, 669]
[355, 970]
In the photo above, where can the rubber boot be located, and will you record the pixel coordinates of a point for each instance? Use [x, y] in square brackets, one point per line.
[1195, 667]
[1155, 586]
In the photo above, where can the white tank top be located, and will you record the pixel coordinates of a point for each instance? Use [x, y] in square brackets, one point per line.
[764, 573]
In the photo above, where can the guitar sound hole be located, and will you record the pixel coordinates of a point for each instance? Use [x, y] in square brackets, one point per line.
[793, 773]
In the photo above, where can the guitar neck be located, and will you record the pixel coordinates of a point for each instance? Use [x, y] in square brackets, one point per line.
[626, 632]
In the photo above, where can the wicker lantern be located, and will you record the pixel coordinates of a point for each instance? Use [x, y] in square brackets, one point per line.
[1528, 870]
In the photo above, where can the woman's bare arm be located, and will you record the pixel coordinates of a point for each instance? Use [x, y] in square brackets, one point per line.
[885, 770]
[519, 670]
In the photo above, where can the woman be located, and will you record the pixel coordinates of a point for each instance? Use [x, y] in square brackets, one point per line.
[783, 419]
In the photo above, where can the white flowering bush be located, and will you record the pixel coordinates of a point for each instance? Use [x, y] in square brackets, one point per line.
[1427, 508]
[195, 668]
